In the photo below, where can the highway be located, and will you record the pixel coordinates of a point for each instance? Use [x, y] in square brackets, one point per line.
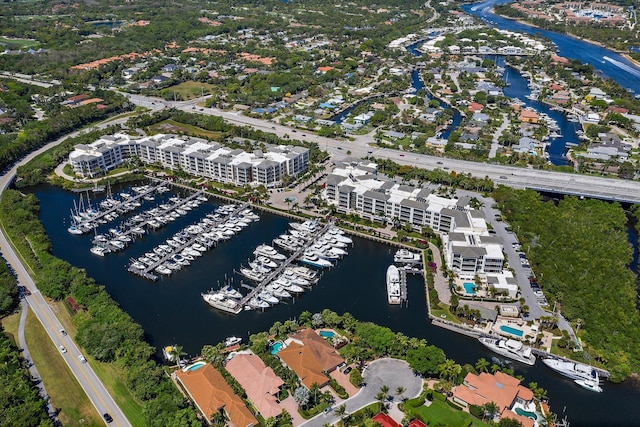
[556, 182]
[93, 387]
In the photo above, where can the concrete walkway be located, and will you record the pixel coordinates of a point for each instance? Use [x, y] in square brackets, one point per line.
[33, 371]
[440, 282]
[393, 373]
[494, 143]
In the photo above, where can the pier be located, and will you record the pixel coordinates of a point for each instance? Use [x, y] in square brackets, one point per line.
[286, 263]
[147, 271]
[404, 298]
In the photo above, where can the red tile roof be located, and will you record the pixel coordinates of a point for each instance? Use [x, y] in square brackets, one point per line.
[211, 393]
[385, 420]
[259, 381]
[499, 388]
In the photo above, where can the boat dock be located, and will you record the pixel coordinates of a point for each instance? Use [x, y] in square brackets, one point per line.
[132, 228]
[404, 298]
[280, 268]
[147, 271]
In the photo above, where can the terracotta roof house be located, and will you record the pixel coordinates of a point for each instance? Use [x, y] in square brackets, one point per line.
[500, 388]
[528, 116]
[309, 356]
[259, 381]
[417, 423]
[211, 394]
[385, 420]
[474, 106]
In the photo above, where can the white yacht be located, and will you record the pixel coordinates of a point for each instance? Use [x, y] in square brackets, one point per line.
[231, 341]
[269, 252]
[99, 250]
[510, 348]
[573, 370]
[256, 302]
[277, 290]
[268, 297]
[313, 259]
[267, 262]
[230, 292]
[404, 256]
[590, 384]
[218, 300]
[393, 285]
[288, 285]
[162, 270]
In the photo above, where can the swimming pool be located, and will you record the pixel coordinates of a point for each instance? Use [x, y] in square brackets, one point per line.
[327, 334]
[276, 347]
[513, 331]
[527, 414]
[469, 288]
[195, 366]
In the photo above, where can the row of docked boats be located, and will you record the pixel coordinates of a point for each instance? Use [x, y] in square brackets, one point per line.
[85, 219]
[582, 374]
[195, 239]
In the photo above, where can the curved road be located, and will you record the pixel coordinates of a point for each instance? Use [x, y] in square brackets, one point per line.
[93, 387]
[517, 177]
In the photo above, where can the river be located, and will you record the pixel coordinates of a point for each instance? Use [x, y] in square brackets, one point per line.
[172, 311]
[606, 61]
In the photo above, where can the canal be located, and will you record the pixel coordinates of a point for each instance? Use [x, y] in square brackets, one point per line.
[172, 311]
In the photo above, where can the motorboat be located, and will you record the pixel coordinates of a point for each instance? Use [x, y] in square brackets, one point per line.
[259, 267]
[290, 275]
[163, 270]
[99, 250]
[404, 256]
[73, 229]
[180, 259]
[138, 265]
[339, 235]
[230, 292]
[269, 252]
[277, 290]
[268, 297]
[590, 384]
[510, 348]
[266, 261]
[393, 285]
[252, 274]
[231, 341]
[305, 273]
[570, 369]
[257, 302]
[219, 301]
[313, 259]
[288, 285]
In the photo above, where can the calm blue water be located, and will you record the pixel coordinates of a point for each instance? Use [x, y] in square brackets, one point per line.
[608, 62]
[469, 288]
[327, 334]
[172, 311]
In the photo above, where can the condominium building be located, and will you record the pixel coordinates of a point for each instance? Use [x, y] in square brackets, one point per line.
[193, 156]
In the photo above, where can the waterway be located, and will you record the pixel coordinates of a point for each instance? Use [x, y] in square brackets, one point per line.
[606, 61]
[172, 311]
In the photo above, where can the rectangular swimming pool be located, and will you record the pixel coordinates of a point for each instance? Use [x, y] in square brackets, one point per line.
[513, 331]
[327, 334]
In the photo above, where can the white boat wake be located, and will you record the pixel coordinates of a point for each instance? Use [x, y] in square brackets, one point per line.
[623, 66]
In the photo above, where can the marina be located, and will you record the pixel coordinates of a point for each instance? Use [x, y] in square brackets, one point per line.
[165, 308]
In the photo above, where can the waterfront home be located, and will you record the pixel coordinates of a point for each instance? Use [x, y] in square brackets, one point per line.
[310, 356]
[211, 394]
[259, 381]
[528, 116]
[385, 420]
[502, 389]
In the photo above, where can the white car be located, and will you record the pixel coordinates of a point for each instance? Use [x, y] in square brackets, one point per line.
[82, 359]
[62, 349]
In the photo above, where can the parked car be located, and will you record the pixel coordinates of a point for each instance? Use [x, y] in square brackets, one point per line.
[346, 371]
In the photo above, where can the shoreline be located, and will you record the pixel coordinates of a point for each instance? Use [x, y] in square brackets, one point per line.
[593, 42]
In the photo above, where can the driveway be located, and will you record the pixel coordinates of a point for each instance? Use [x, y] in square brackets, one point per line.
[393, 373]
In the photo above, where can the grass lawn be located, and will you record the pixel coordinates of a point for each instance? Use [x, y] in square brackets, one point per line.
[107, 373]
[171, 126]
[441, 413]
[189, 90]
[10, 325]
[12, 43]
[443, 312]
[62, 387]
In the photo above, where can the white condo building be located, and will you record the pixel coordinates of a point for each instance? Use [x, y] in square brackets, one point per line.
[354, 186]
[193, 156]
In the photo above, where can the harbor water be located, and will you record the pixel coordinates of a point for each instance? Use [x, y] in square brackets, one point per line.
[172, 311]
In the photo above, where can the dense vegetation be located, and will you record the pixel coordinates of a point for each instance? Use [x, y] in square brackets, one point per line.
[20, 403]
[580, 251]
[104, 330]
[8, 291]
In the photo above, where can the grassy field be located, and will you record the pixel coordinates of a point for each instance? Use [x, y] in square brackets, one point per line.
[11, 43]
[107, 373]
[62, 387]
[189, 90]
[171, 126]
[441, 413]
[10, 325]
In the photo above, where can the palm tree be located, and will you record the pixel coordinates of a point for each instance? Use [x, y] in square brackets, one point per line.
[482, 365]
[449, 369]
[340, 411]
[400, 391]
[490, 409]
[380, 397]
[176, 352]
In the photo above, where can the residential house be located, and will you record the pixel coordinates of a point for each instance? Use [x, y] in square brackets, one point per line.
[310, 356]
[502, 389]
[259, 381]
[385, 420]
[211, 394]
[528, 116]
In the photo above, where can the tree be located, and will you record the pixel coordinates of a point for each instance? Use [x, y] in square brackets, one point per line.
[400, 392]
[449, 369]
[482, 365]
[340, 410]
[509, 422]
[301, 396]
[490, 409]
[425, 360]
[176, 352]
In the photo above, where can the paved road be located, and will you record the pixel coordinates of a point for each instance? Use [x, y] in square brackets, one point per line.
[559, 182]
[93, 387]
[390, 372]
